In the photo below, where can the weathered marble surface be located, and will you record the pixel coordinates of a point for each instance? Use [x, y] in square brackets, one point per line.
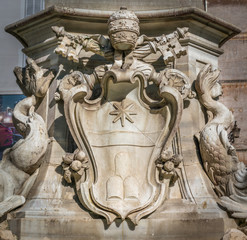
[140, 85]
[234, 234]
[133, 5]
[219, 157]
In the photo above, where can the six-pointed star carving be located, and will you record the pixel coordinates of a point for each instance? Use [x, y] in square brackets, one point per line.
[123, 111]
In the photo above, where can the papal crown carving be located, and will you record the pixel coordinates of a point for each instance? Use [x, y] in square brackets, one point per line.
[123, 20]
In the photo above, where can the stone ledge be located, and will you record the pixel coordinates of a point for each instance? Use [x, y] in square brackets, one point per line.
[221, 30]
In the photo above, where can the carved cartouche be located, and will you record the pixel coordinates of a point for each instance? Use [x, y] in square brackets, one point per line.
[125, 150]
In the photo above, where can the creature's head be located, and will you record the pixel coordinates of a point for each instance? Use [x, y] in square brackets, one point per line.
[33, 80]
[123, 29]
[207, 82]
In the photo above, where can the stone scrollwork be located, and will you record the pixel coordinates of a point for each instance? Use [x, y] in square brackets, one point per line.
[20, 164]
[220, 160]
[176, 79]
[115, 167]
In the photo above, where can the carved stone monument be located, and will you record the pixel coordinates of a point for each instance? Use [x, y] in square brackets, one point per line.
[123, 135]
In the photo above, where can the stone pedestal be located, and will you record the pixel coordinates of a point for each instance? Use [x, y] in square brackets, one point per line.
[53, 210]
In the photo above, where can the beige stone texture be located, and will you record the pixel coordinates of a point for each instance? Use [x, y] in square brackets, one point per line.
[233, 66]
[131, 5]
[234, 97]
[234, 234]
[179, 201]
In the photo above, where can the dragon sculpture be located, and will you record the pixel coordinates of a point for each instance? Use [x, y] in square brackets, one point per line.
[219, 157]
[20, 164]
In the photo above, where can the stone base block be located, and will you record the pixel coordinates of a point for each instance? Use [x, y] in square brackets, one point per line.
[174, 224]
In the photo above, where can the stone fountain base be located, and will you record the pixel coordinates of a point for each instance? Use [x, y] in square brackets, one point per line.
[176, 220]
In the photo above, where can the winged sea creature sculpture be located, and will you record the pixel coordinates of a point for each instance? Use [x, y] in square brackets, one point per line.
[219, 157]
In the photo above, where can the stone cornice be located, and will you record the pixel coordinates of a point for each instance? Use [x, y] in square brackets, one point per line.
[198, 20]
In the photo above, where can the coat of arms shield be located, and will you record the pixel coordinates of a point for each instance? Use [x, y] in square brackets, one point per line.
[123, 132]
